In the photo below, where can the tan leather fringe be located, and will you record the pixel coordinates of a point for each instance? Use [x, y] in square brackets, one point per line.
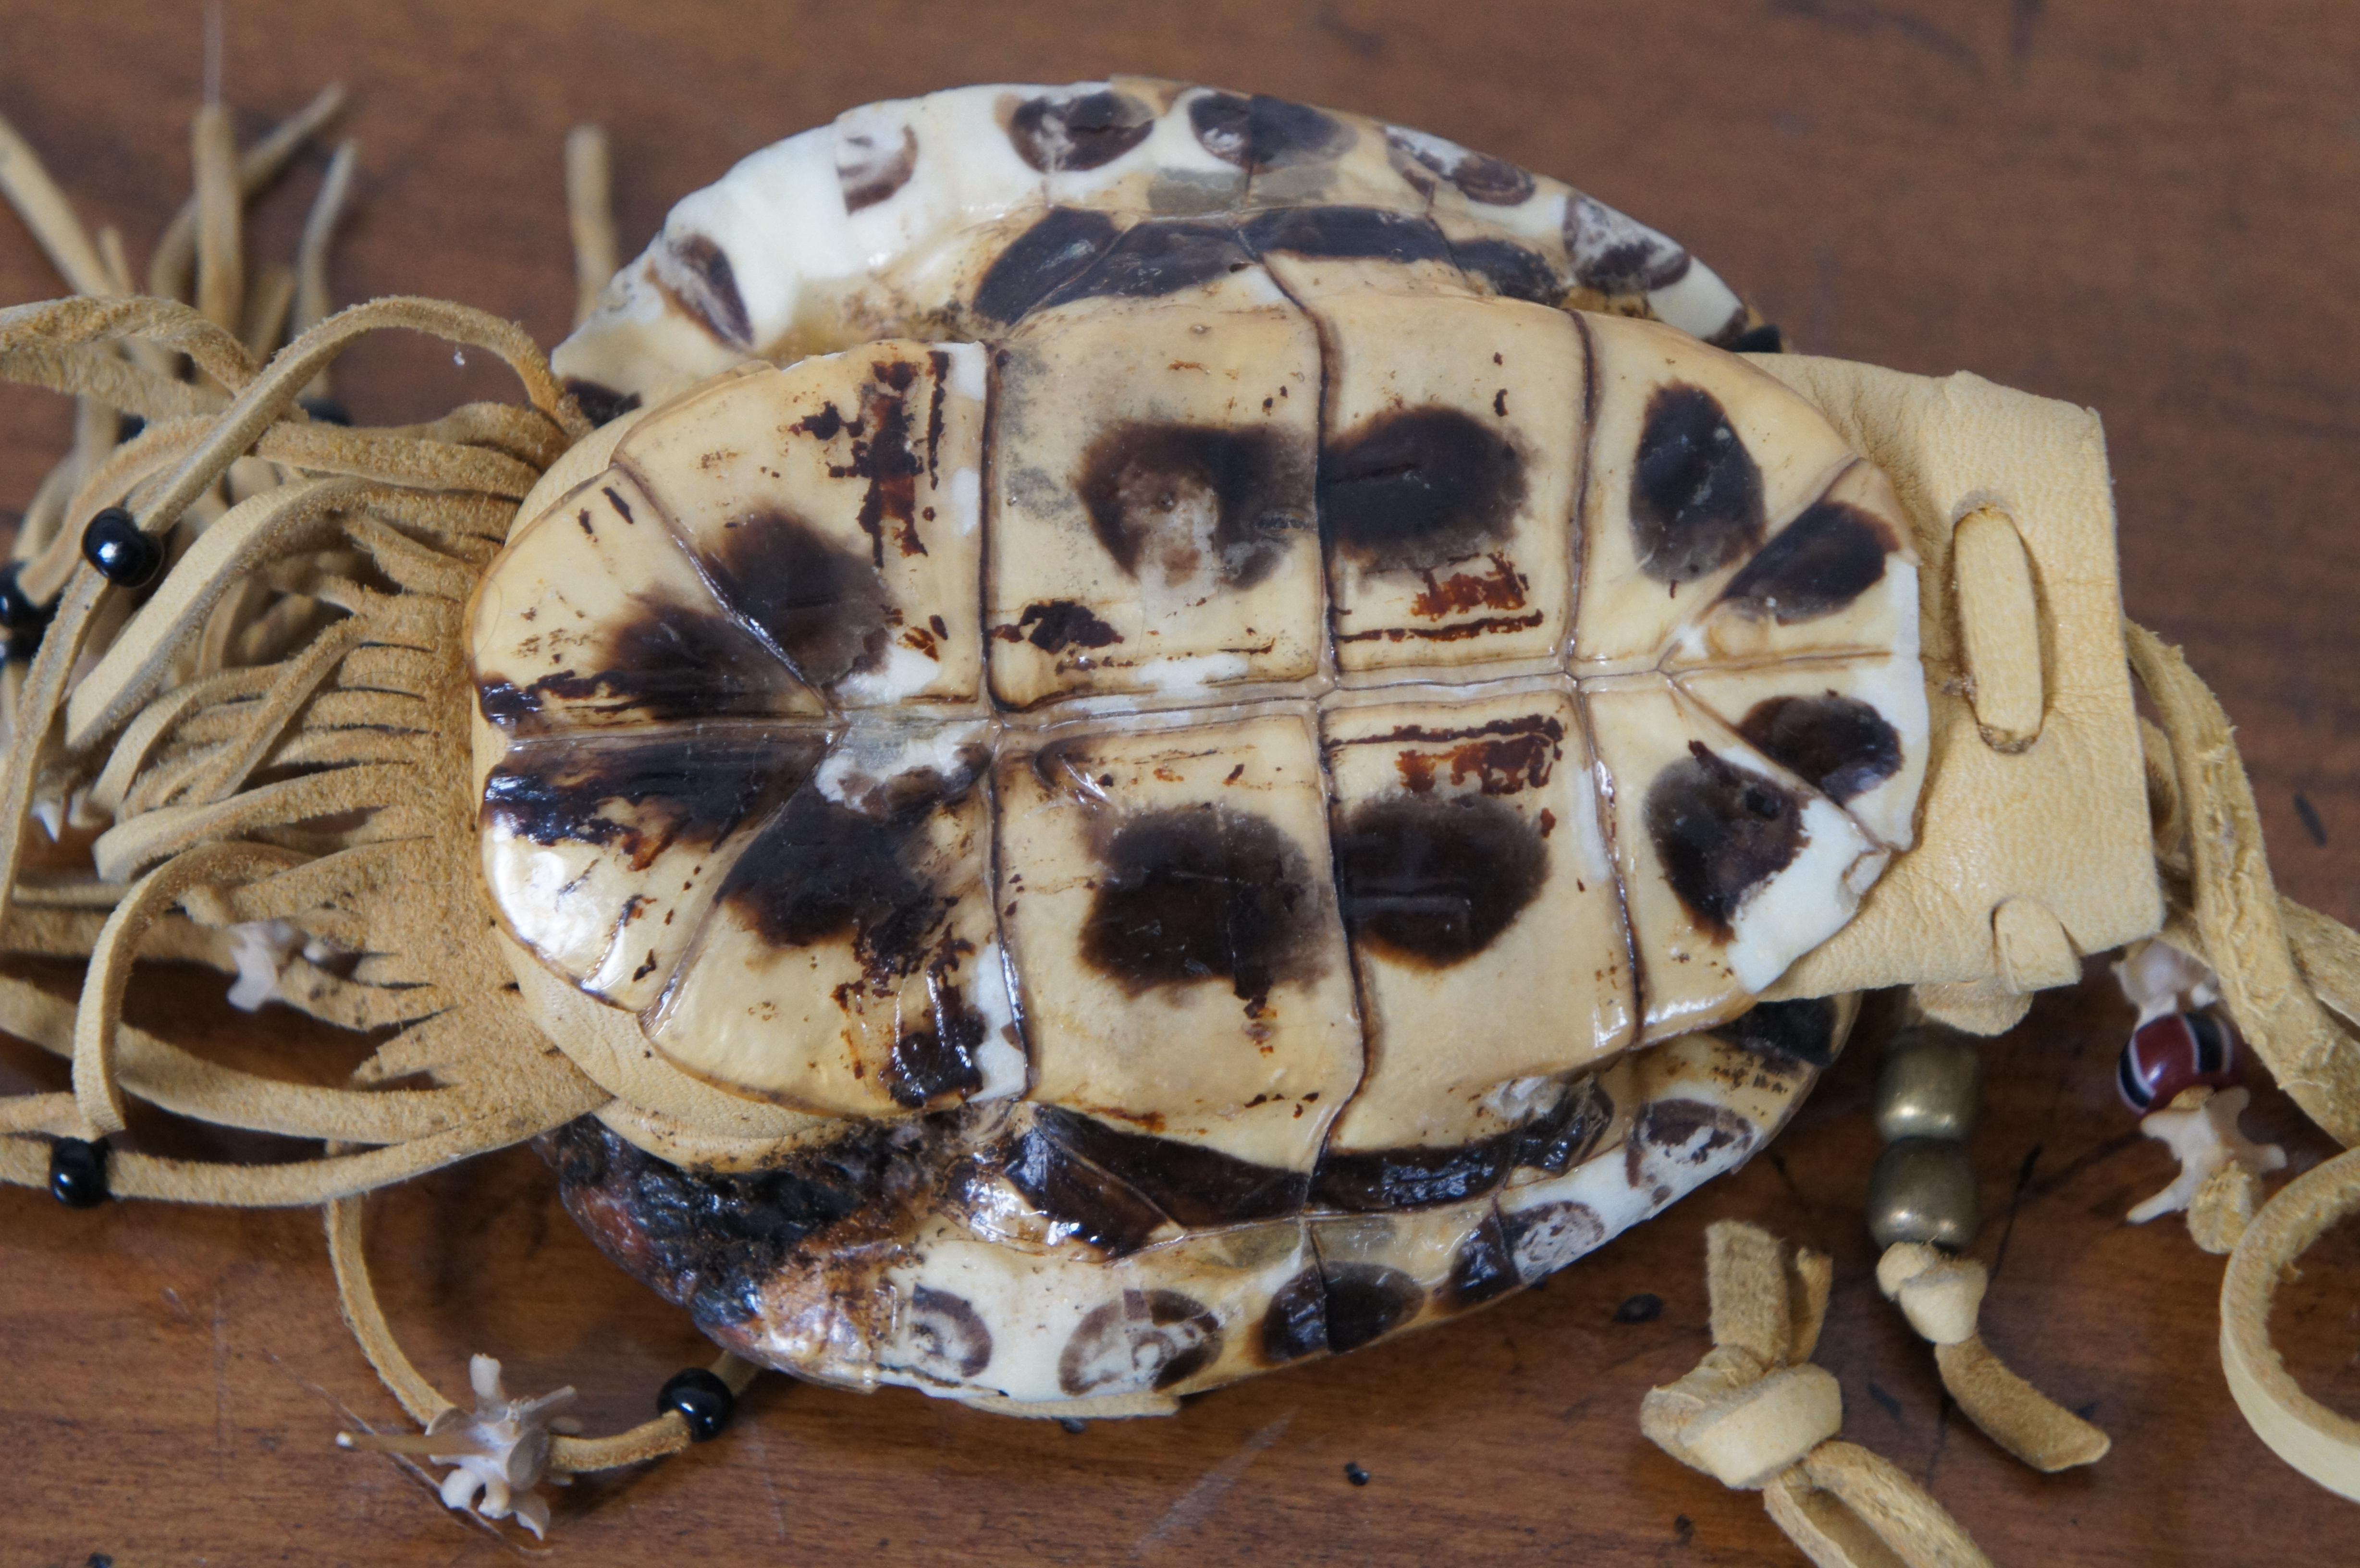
[170, 272]
[221, 218]
[590, 214]
[35, 196]
[1756, 1415]
[1943, 1298]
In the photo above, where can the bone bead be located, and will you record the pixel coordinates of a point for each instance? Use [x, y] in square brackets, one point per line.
[1922, 1190]
[1941, 1299]
[1930, 1087]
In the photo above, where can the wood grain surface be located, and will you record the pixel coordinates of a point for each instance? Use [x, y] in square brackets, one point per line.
[2147, 208]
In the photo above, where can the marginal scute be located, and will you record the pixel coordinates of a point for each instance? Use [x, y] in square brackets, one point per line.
[1295, 1323]
[1482, 1271]
[1084, 130]
[1616, 254]
[1547, 1236]
[1141, 1338]
[1257, 132]
[1480, 177]
[874, 158]
[1804, 1031]
[945, 1336]
[1365, 1301]
[700, 274]
[870, 226]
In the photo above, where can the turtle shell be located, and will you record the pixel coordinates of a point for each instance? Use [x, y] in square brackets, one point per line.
[1248, 760]
[1252, 802]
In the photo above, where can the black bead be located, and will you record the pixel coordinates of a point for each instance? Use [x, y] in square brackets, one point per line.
[1763, 339]
[1355, 1474]
[123, 554]
[23, 620]
[1644, 1307]
[703, 1400]
[127, 427]
[326, 410]
[78, 1172]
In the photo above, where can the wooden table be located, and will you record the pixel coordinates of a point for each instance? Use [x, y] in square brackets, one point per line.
[2147, 208]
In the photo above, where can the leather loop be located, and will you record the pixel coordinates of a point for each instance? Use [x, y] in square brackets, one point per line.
[2315, 1440]
[1999, 619]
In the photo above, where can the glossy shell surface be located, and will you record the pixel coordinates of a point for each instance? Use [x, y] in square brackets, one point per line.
[947, 216]
[1260, 791]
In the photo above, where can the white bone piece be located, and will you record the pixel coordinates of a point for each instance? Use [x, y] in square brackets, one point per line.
[499, 1451]
[2159, 978]
[2205, 1138]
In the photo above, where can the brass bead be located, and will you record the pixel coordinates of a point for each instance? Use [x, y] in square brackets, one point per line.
[1923, 1188]
[1931, 1085]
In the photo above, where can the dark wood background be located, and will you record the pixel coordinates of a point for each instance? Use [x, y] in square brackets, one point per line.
[2147, 208]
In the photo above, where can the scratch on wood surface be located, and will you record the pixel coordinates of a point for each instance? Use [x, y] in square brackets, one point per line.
[2022, 18]
[2014, 1205]
[1369, 43]
[1198, 1500]
[220, 1383]
[760, 1445]
[1941, 1439]
[1863, 17]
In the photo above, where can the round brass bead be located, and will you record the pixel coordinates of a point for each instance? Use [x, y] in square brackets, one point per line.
[1923, 1188]
[1930, 1087]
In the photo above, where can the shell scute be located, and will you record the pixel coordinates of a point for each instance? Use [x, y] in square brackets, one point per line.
[849, 964]
[837, 512]
[1447, 486]
[1171, 910]
[1481, 889]
[602, 851]
[1155, 465]
[597, 619]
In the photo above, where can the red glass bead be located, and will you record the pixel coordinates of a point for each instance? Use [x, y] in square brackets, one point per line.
[2176, 1052]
